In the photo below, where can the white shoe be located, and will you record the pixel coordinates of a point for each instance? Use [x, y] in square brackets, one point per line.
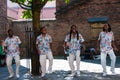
[50, 71]
[104, 74]
[113, 73]
[11, 76]
[17, 75]
[42, 75]
[78, 73]
[73, 74]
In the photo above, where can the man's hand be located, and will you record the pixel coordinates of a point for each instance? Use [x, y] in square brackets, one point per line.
[115, 49]
[84, 48]
[20, 50]
[5, 50]
[39, 51]
[97, 49]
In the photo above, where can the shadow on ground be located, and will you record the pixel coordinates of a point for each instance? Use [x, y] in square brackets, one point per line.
[97, 61]
[4, 72]
[65, 75]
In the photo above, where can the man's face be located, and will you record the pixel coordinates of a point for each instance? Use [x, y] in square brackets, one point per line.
[106, 27]
[44, 31]
[73, 29]
[10, 33]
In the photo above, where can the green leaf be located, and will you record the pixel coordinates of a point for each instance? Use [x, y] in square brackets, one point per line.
[27, 14]
[18, 1]
[22, 1]
[67, 1]
[46, 0]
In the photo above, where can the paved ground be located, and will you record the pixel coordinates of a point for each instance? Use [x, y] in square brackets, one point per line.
[90, 70]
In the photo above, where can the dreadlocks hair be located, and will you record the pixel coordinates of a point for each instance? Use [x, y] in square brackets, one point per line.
[71, 33]
[109, 29]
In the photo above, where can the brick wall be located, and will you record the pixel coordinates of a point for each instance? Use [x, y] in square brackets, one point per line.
[77, 15]
[19, 29]
[3, 18]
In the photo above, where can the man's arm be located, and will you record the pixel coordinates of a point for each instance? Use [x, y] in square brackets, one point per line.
[83, 45]
[19, 43]
[114, 46]
[51, 46]
[37, 42]
[37, 49]
[113, 43]
[5, 45]
[98, 45]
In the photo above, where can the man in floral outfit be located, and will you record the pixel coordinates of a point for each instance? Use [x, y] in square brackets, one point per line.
[12, 43]
[106, 42]
[44, 47]
[73, 42]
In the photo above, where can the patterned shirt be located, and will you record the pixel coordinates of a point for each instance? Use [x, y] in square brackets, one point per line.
[44, 44]
[105, 40]
[74, 44]
[12, 45]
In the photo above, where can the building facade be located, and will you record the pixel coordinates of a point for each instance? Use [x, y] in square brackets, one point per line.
[88, 15]
[3, 19]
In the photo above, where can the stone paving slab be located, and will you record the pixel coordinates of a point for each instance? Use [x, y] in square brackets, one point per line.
[63, 75]
[90, 70]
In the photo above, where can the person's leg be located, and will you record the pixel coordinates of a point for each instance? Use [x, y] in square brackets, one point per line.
[9, 62]
[78, 62]
[0, 60]
[50, 58]
[43, 64]
[103, 62]
[71, 63]
[113, 60]
[17, 61]
[3, 60]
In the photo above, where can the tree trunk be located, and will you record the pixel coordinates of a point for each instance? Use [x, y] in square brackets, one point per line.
[36, 27]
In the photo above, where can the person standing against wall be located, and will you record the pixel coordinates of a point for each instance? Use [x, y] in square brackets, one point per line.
[44, 48]
[12, 49]
[2, 53]
[73, 43]
[107, 45]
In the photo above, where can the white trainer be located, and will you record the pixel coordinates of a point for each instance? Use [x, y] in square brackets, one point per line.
[72, 74]
[17, 75]
[42, 75]
[113, 73]
[104, 74]
[78, 73]
[50, 71]
[11, 76]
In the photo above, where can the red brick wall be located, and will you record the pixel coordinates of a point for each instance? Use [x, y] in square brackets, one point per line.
[78, 16]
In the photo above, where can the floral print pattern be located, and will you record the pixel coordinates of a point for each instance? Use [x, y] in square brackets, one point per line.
[74, 44]
[12, 45]
[44, 44]
[105, 40]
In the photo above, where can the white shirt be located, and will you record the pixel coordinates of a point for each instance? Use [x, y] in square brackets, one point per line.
[12, 45]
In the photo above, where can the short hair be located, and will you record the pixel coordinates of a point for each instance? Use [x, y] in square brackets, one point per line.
[10, 30]
[109, 29]
[42, 29]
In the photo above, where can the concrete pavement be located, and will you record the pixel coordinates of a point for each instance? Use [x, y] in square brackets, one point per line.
[90, 70]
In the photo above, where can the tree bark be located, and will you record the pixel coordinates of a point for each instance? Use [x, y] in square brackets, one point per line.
[36, 27]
